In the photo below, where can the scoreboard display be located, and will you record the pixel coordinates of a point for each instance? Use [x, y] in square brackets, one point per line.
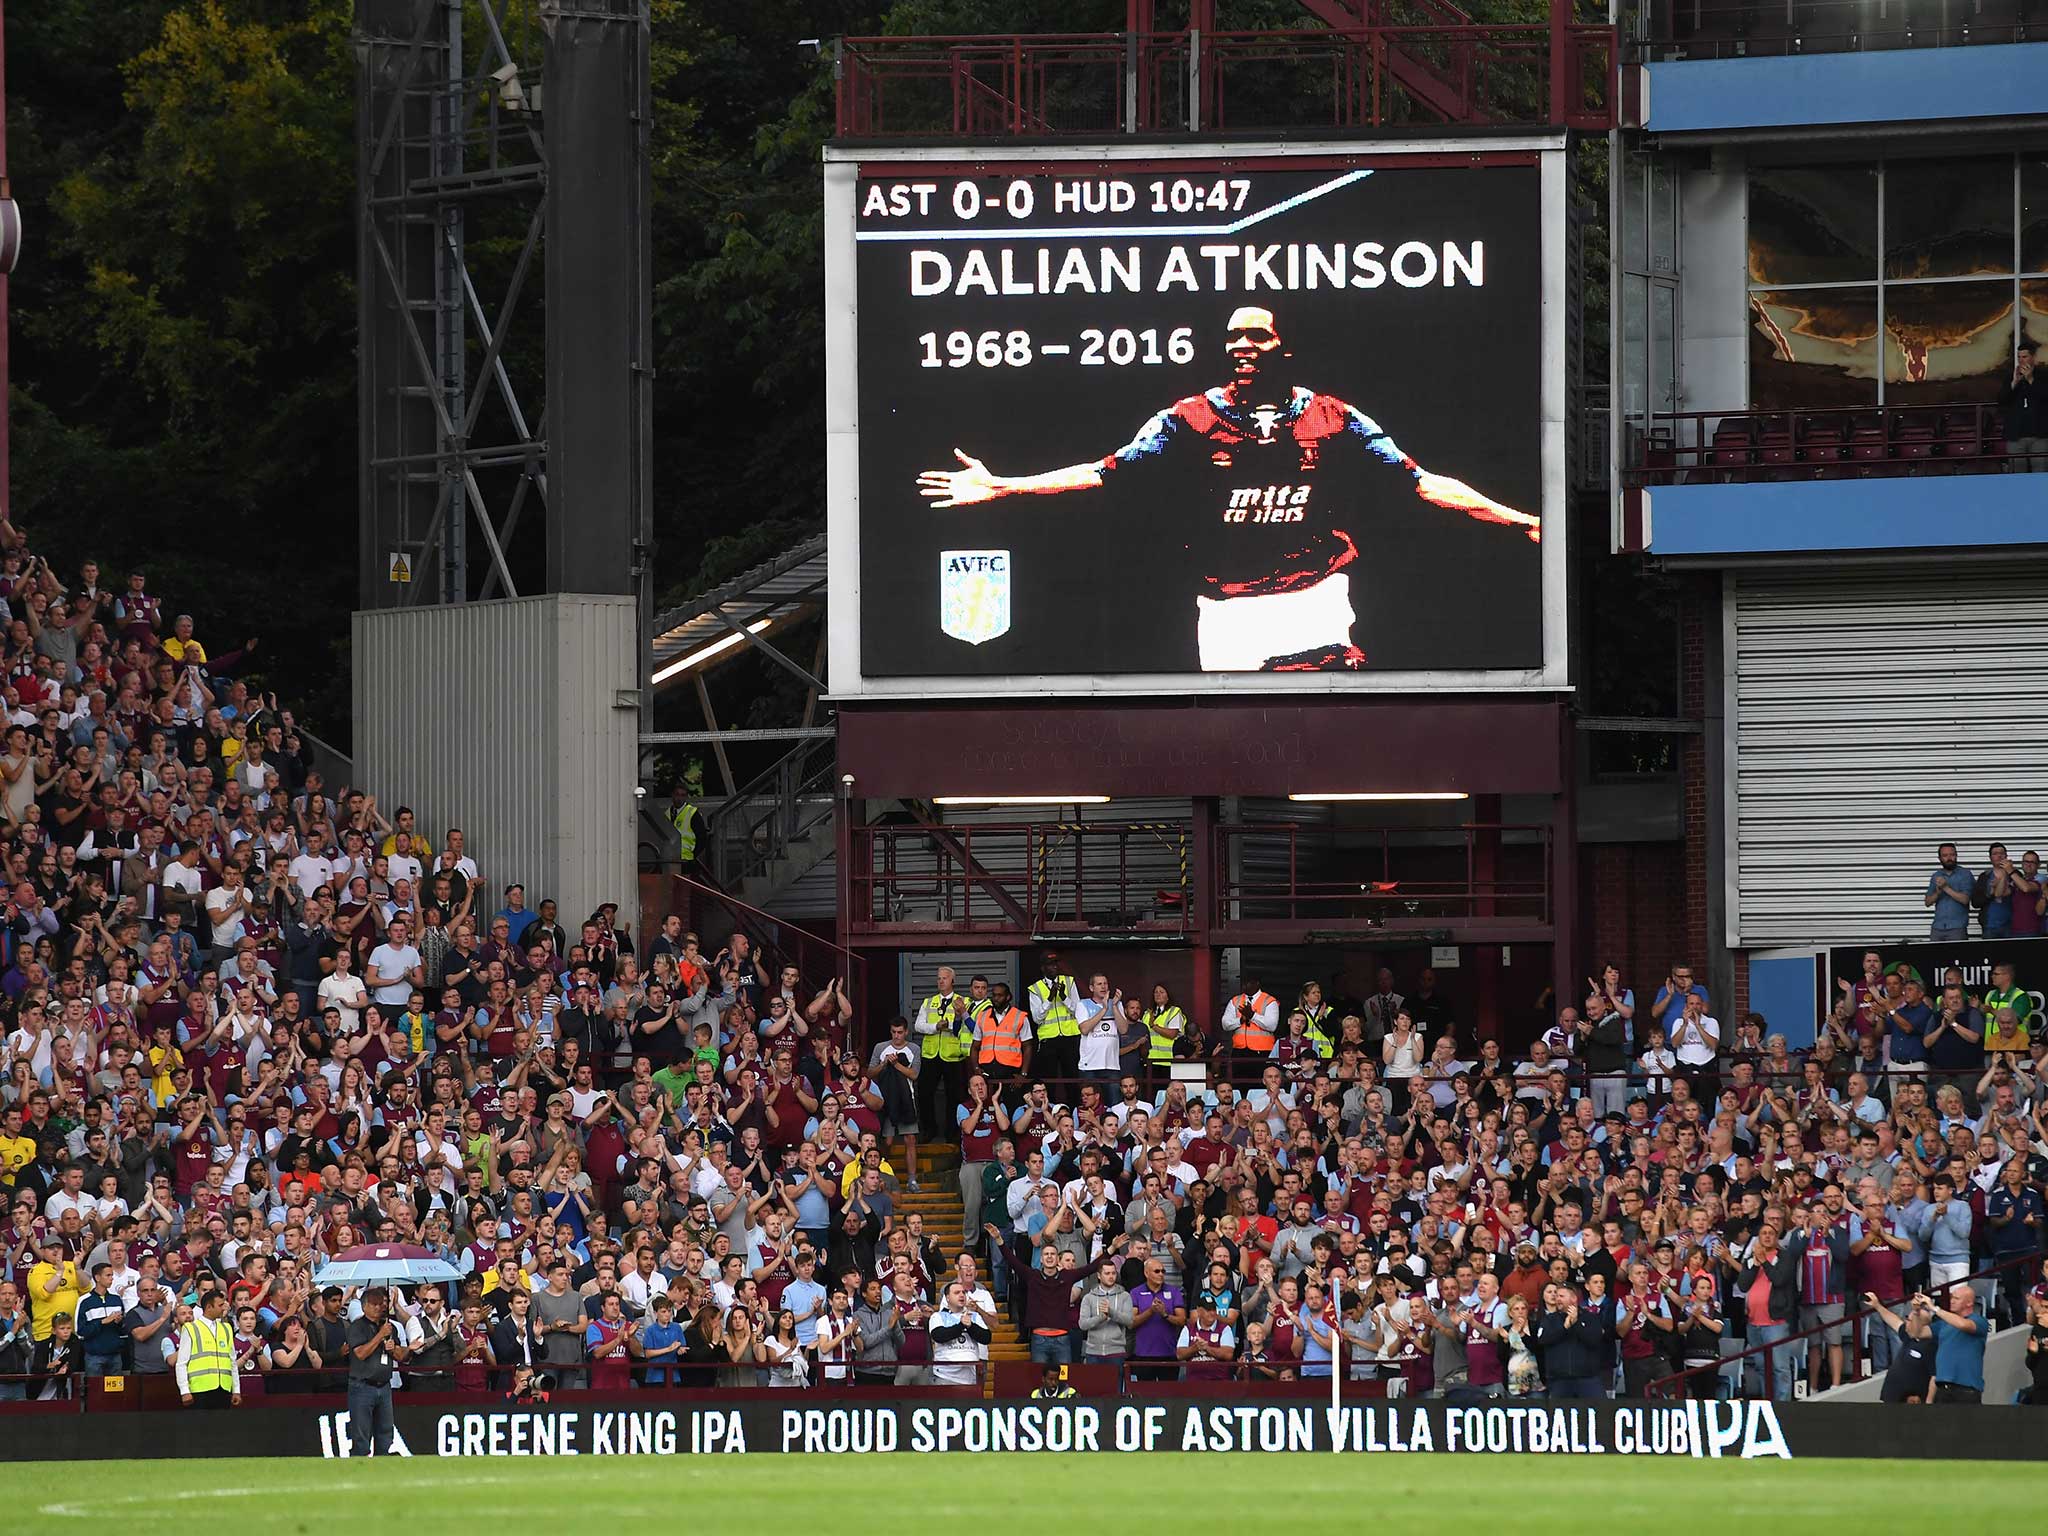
[1251, 420]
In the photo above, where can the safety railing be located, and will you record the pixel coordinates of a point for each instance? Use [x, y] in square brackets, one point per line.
[75, 1390]
[1020, 880]
[745, 833]
[778, 941]
[1755, 1365]
[1445, 72]
[1675, 447]
[1726, 29]
[1375, 878]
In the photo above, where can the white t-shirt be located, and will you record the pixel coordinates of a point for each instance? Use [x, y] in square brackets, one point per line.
[311, 871]
[177, 877]
[61, 1201]
[391, 960]
[345, 993]
[403, 866]
[981, 1304]
[224, 911]
[1099, 1036]
[1690, 1040]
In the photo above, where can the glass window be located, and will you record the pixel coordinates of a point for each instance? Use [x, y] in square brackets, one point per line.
[1634, 214]
[1812, 224]
[2033, 214]
[1635, 393]
[1947, 218]
[1946, 343]
[1664, 346]
[2034, 309]
[1663, 218]
[1812, 349]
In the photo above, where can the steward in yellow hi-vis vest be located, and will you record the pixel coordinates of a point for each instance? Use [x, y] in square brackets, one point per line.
[1166, 1028]
[944, 1027]
[1055, 1004]
[207, 1374]
[1321, 1018]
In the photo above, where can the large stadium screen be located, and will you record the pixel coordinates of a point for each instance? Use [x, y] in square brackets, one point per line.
[1237, 420]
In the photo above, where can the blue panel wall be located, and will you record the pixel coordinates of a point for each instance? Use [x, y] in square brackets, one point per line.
[1886, 86]
[1792, 516]
[1782, 991]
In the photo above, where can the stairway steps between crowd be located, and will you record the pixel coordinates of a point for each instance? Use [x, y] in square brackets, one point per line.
[938, 1201]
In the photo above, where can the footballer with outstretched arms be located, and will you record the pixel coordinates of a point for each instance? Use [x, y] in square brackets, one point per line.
[1291, 479]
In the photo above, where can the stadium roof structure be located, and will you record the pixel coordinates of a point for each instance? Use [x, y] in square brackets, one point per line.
[716, 626]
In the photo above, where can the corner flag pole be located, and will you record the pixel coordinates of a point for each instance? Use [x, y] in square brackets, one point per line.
[1336, 1363]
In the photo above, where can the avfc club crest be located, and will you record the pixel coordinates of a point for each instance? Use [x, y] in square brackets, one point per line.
[974, 594]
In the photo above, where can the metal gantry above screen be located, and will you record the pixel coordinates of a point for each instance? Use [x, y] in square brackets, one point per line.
[1353, 64]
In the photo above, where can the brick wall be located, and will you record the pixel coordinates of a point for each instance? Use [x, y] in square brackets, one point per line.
[1634, 911]
[1699, 608]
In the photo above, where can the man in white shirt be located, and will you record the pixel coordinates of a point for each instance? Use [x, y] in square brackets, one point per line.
[1532, 1077]
[401, 862]
[957, 1338]
[1271, 1101]
[70, 1195]
[1097, 1017]
[1022, 1196]
[228, 905]
[978, 1301]
[180, 881]
[311, 869]
[1695, 1037]
[342, 990]
[394, 966]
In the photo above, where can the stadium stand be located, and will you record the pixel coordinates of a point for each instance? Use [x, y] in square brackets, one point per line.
[253, 1022]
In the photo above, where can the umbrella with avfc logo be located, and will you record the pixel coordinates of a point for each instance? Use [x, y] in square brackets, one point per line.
[385, 1264]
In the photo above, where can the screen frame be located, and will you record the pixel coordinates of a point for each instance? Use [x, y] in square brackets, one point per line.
[843, 168]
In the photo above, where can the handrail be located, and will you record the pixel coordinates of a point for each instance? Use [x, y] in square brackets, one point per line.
[770, 807]
[1832, 441]
[777, 937]
[1016, 876]
[1404, 882]
[1714, 29]
[1674, 1385]
[1441, 68]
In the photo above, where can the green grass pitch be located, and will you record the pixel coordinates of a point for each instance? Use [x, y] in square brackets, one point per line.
[892, 1494]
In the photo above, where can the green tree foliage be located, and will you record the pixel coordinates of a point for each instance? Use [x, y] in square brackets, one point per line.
[184, 316]
[184, 362]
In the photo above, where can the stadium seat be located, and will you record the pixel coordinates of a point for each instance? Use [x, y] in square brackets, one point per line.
[1734, 446]
[1962, 435]
[1913, 438]
[1995, 21]
[1823, 441]
[1866, 439]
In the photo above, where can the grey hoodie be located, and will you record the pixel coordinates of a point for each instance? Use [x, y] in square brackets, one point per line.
[1107, 1317]
[880, 1333]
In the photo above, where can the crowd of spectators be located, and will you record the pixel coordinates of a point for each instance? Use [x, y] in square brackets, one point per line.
[252, 1021]
[2009, 899]
[1641, 1196]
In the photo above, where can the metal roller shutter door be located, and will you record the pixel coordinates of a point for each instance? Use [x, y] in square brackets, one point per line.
[918, 972]
[1872, 715]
